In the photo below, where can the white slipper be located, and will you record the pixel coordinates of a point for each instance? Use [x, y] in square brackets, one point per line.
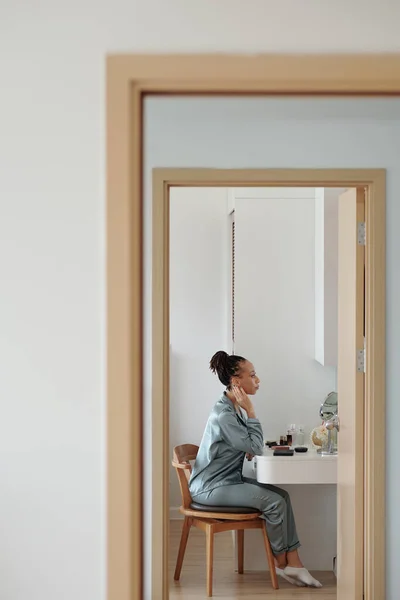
[282, 574]
[301, 574]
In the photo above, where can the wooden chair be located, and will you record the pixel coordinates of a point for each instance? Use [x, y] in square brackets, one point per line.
[214, 519]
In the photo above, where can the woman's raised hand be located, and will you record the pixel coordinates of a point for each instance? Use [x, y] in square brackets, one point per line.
[243, 400]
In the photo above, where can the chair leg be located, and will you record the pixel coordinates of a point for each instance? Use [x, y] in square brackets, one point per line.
[240, 550]
[210, 557]
[187, 523]
[270, 557]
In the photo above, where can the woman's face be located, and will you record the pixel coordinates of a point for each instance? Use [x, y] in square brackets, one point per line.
[247, 378]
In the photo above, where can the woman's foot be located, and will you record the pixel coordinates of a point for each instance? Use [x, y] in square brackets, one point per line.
[302, 575]
[281, 573]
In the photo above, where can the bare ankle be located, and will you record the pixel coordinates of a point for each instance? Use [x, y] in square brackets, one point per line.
[296, 563]
[280, 561]
[293, 560]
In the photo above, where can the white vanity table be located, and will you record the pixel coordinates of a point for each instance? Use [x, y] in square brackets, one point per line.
[301, 468]
[310, 478]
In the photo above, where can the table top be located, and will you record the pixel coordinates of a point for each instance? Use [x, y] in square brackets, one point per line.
[311, 455]
[302, 468]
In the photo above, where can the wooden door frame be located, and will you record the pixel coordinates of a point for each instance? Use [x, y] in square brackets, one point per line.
[129, 79]
[370, 455]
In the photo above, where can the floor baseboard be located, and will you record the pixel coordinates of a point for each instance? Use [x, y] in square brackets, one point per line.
[175, 514]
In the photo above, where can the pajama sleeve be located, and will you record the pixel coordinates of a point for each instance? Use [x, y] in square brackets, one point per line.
[246, 438]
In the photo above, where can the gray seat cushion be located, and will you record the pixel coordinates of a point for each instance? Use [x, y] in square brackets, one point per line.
[223, 509]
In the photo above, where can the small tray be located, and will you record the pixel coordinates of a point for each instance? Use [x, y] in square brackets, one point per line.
[283, 452]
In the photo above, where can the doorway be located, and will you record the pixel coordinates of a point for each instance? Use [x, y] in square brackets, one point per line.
[253, 271]
[354, 494]
[231, 75]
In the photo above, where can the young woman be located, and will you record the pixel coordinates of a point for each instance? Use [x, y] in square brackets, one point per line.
[233, 432]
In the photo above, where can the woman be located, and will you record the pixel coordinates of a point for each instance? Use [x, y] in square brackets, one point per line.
[233, 432]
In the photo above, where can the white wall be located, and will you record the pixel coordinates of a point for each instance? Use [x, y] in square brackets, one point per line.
[330, 281]
[326, 275]
[52, 153]
[275, 305]
[199, 267]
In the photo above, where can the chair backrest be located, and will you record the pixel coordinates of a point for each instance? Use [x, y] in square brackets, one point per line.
[181, 457]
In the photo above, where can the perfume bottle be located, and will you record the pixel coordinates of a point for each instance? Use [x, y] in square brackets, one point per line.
[291, 432]
[300, 438]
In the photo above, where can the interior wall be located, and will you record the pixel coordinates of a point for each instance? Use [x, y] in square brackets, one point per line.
[275, 305]
[199, 268]
[52, 256]
[326, 275]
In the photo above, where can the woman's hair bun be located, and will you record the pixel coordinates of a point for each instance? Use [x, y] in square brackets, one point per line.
[225, 366]
[219, 361]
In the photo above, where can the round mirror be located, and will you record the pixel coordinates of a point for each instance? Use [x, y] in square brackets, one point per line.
[329, 407]
[328, 413]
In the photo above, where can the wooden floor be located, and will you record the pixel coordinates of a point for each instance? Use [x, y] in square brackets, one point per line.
[228, 584]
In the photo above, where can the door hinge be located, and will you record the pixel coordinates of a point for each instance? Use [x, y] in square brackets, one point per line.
[361, 360]
[361, 234]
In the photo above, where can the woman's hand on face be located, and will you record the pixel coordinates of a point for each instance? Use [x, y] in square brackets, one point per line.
[243, 400]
